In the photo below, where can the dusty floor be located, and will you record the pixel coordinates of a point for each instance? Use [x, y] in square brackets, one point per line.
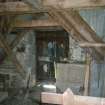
[23, 97]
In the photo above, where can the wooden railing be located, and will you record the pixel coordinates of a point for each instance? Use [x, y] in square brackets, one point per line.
[68, 98]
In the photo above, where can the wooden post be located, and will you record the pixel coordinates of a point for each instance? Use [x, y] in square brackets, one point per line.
[68, 98]
[87, 75]
[63, 99]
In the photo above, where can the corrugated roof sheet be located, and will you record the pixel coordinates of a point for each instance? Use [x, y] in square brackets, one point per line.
[96, 19]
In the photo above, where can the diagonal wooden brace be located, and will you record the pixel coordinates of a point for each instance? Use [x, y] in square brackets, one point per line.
[4, 44]
[17, 39]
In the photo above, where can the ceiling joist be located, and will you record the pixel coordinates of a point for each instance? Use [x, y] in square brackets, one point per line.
[35, 24]
[68, 4]
[17, 8]
[21, 7]
[87, 44]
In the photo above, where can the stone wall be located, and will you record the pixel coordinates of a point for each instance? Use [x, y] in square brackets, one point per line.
[75, 52]
[27, 58]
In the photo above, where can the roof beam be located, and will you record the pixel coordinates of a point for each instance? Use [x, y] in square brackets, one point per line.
[36, 24]
[67, 4]
[18, 38]
[17, 8]
[81, 26]
[22, 8]
[58, 17]
[87, 44]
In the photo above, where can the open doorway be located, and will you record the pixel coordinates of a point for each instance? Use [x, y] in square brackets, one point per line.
[52, 47]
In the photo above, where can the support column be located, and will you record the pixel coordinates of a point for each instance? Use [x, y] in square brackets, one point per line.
[87, 75]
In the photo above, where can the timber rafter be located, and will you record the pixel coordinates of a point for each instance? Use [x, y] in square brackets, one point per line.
[19, 7]
[74, 4]
[34, 24]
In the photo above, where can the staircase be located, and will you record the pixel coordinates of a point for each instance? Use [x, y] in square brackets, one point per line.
[8, 69]
[6, 72]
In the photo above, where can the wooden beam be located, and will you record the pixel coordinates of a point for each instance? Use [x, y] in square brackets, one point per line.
[51, 98]
[82, 26]
[87, 74]
[87, 44]
[17, 8]
[12, 46]
[68, 98]
[67, 4]
[18, 39]
[9, 52]
[36, 24]
[14, 7]
[58, 17]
